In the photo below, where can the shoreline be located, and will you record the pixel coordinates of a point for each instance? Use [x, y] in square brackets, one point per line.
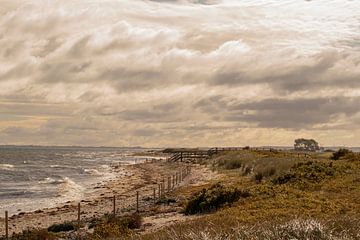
[142, 177]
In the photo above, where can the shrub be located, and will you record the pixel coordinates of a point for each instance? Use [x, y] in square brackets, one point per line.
[115, 227]
[62, 227]
[309, 171]
[340, 153]
[259, 177]
[33, 234]
[165, 200]
[247, 171]
[211, 199]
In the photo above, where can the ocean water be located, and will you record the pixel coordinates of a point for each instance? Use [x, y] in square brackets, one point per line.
[32, 178]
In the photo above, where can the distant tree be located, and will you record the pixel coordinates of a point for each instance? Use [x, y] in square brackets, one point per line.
[302, 144]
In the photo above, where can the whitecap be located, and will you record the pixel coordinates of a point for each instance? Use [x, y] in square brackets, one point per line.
[70, 189]
[5, 166]
[50, 180]
[92, 172]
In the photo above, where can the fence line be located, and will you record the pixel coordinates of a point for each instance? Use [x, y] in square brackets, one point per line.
[177, 178]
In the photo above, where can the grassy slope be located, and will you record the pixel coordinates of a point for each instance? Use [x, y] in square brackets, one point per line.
[302, 208]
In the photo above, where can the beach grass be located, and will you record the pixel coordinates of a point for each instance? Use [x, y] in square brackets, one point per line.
[318, 200]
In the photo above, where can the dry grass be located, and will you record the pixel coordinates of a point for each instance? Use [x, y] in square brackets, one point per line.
[297, 228]
[326, 207]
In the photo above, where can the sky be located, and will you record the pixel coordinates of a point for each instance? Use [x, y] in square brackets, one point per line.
[171, 73]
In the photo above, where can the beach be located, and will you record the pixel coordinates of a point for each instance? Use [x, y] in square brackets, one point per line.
[129, 179]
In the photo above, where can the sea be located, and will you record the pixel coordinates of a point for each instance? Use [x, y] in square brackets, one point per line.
[33, 178]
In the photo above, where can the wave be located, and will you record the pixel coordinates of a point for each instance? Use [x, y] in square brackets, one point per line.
[55, 166]
[50, 180]
[5, 166]
[93, 172]
[70, 189]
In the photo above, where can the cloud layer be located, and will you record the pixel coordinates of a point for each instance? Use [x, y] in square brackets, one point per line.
[179, 72]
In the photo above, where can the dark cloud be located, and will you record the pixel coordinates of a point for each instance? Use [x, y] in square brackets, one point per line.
[282, 113]
[320, 71]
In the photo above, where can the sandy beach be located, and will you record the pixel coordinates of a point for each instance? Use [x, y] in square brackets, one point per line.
[142, 177]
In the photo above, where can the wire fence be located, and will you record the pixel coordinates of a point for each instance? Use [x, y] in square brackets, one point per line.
[142, 197]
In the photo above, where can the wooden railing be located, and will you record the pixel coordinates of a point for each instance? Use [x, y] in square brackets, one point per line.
[181, 155]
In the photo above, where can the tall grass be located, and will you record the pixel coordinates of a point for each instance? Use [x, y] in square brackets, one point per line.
[260, 165]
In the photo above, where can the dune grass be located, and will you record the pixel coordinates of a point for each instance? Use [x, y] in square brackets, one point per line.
[319, 199]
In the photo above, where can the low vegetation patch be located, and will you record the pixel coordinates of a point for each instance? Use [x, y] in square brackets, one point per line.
[342, 152]
[211, 199]
[111, 227]
[62, 227]
[310, 171]
[33, 234]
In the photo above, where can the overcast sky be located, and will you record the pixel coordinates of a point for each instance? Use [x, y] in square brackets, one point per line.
[179, 72]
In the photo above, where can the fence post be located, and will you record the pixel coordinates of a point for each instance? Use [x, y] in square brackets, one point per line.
[163, 185]
[159, 191]
[137, 201]
[114, 205]
[169, 184]
[173, 181]
[154, 195]
[78, 221]
[6, 225]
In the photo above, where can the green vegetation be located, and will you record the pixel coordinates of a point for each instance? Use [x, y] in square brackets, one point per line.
[342, 152]
[211, 199]
[34, 234]
[305, 172]
[111, 227]
[62, 227]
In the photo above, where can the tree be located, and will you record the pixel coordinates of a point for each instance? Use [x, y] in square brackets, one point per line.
[302, 144]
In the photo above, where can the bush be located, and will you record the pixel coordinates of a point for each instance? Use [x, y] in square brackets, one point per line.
[62, 227]
[211, 199]
[340, 153]
[307, 171]
[33, 234]
[116, 227]
[259, 177]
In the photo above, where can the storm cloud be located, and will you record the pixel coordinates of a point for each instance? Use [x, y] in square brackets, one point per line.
[179, 72]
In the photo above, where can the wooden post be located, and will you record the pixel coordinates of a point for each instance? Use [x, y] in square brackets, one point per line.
[137, 201]
[163, 185]
[181, 156]
[159, 191]
[114, 205]
[6, 225]
[154, 195]
[173, 181]
[78, 221]
[169, 184]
